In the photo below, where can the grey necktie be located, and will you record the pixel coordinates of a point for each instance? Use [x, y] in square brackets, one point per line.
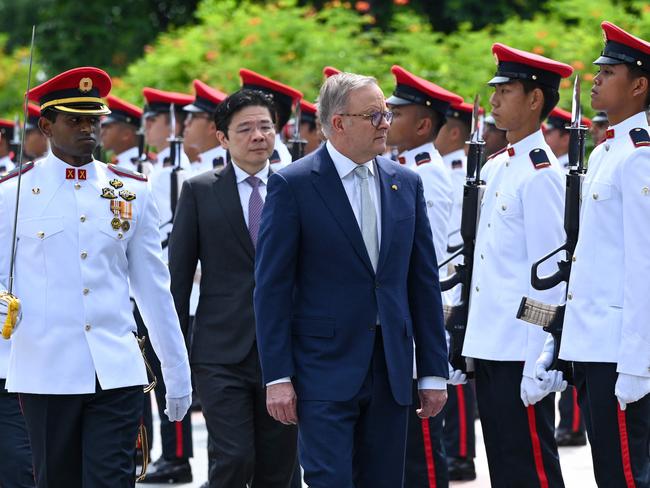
[368, 217]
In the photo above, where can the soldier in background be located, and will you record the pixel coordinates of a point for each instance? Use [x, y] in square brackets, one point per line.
[557, 137]
[6, 136]
[309, 126]
[200, 133]
[36, 144]
[495, 138]
[119, 132]
[599, 124]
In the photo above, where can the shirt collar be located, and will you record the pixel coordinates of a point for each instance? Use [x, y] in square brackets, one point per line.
[210, 154]
[427, 147]
[241, 175]
[127, 156]
[344, 165]
[623, 128]
[458, 154]
[57, 169]
[527, 144]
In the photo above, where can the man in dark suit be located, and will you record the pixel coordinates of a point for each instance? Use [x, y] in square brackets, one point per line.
[346, 280]
[216, 223]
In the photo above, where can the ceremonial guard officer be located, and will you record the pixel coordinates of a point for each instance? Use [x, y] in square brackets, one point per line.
[86, 231]
[200, 133]
[607, 321]
[309, 126]
[285, 98]
[119, 132]
[6, 136]
[419, 109]
[173, 466]
[36, 144]
[460, 409]
[521, 219]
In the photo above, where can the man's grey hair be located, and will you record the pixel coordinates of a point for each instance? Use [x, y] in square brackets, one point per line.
[334, 96]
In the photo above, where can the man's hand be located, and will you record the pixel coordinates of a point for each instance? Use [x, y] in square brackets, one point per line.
[456, 377]
[630, 388]
[431, 402]
[533, 390]
[178, 407]
[281, 402]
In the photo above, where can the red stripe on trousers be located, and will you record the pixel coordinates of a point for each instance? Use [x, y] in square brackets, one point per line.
[179, 440]
[537, 450]
[462, 422]
[428, 453]
[575, 427]
[625, 448]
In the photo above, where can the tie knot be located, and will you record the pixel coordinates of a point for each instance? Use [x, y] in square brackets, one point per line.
[253, 181]
[361, 172]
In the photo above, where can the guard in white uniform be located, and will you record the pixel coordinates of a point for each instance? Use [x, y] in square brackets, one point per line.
[521, 219]
[607, 322]
[119, 132]
[173, 466]
[85, 232]
[419, 109]
[200, 133]
[285, 98]
[36, 144]
[459, 435]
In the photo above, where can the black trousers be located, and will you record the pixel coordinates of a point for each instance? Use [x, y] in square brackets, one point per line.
[84, 440]
[175, 437]
[571, 418]
[459, 434]
[15, 451]
[619, 439]
[519, 441]
[248, 445]
[426, 462]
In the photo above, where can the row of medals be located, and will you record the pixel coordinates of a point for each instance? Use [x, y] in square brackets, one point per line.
[122, 210]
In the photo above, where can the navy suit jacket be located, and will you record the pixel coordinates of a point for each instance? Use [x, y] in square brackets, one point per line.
[317, 296]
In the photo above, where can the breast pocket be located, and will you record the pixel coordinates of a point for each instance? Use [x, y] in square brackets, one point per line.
[38, 238]
[117, 231]
[599, 192]
[508, 206]
[41, 228]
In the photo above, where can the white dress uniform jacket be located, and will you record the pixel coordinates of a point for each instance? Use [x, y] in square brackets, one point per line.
[521, 220]
[206, 160]
[438, 191]
[564, 161]
[125, 159]
[283, 154]
[607, 316]
[6, 165]
[72, 275]
[456, 164]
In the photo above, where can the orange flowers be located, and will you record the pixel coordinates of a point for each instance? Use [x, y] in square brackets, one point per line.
[362, 7]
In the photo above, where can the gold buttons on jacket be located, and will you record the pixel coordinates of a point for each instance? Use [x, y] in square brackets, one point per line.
[84, 254]
[573, 259]
[77, 186]
[595, 196]
[504, 207]
[40, 234]
[570, 296]
[476, 289]
[645, 190]
[87, 327]
[82, 218]
[86, 291]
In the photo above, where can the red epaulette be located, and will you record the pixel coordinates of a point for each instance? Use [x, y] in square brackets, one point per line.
[14, 172]
[640, 137]
[127, 172]
[492, 156]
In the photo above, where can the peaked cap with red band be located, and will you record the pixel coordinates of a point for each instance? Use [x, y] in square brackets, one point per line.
[307, 111]
[33, 114]
[463, 112]
[122, 111]
[330, 71]
[206, 100]
[282, 94]
[7, 129]
[621, 47]
[559, 119]
[78, 91]
[514, 64]
[159, 101]
[411, 89]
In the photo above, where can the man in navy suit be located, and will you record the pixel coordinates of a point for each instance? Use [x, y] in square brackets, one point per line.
[346, 282]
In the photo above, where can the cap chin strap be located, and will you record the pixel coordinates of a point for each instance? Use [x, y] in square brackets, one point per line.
[102, 110]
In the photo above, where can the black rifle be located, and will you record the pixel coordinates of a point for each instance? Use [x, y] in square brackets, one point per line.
[456, 315]
[551, 317]
[174, 159]
[142, 155]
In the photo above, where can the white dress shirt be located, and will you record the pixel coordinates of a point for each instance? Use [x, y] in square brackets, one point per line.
[244, 188]
[522, 215]
[607, 317]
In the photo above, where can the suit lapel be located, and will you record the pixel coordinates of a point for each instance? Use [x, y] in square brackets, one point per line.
[225, 189]
[388, 184]
[328, 185]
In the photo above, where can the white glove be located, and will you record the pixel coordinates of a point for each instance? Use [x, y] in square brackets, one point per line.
[544, 362]
[533, 390]
[630, 388]
[177, 407]
[456, 377]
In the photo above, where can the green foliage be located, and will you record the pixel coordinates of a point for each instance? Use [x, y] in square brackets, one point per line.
[292, 43]
[13, 79]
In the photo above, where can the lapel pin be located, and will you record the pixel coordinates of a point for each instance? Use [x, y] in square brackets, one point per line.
[394, 187]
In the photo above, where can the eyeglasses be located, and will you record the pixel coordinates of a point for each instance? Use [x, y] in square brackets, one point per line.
[375, 117]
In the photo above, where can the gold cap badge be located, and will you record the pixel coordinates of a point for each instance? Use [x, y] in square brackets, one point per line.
[85, 85]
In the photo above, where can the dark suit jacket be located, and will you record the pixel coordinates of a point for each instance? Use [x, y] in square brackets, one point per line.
[317, 296]
[209, 226]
